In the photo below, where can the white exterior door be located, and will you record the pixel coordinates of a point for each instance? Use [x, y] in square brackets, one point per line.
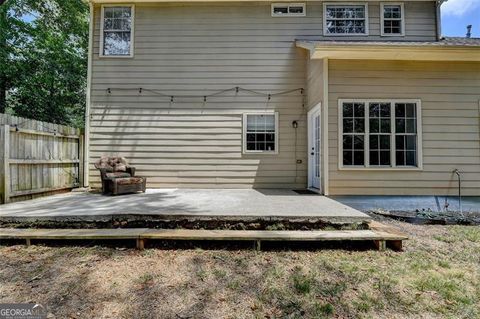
[314, 147]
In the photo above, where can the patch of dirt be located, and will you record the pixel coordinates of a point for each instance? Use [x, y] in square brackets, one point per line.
[432, 218]
[125, 222]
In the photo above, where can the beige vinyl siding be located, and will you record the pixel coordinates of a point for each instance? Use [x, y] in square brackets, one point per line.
[450, 97]
[314, 82]
[197, 49]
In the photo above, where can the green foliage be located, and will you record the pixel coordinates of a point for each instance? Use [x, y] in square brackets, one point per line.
[44, 51]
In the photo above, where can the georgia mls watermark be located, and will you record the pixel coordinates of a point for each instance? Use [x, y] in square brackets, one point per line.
[22, 311]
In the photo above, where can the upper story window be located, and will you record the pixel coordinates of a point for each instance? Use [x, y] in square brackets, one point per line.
[345, 19]
[260, 133]
[116, 39]
[393, 20]
[288, 10]
[379, 134]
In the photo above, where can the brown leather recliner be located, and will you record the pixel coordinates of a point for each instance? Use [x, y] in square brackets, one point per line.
[118, 177]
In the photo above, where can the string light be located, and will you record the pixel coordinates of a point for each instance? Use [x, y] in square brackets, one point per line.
[237, 89]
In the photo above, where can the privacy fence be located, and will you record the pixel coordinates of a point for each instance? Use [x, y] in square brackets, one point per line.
[38, 158]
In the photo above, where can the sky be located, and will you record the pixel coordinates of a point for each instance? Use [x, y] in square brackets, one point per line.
[457, 14]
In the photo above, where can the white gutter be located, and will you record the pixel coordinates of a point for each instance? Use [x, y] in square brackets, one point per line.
[86, 153]
[207, 1]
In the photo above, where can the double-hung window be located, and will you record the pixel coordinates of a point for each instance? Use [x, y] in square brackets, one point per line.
[260, 133]
[379, 133]
[393, 19]
[116, 39]
[345, 19]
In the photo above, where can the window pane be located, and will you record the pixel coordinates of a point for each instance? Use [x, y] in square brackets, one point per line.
[374, 110]
[359, 110]
[399, 110]
[384, 157]
[295, 9]
[358, 158]
[270, 123]
[400, 126]
[358, 142]
[410, 128]
[347, 110]
[400, 158]
[374, 141]
[411, 158]
[347, 142]
[374, 126]
[280, 10]
[347, 158]
[374, 157]
[385, 126]
[410, 110]
[411, 142]
[348, 126]
[400, 142]
[108, 24]
[108, 12]
[385, 142]
[359, 126]
[116, 43]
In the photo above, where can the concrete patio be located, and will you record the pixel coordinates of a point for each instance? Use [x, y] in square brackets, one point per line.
[192, 203]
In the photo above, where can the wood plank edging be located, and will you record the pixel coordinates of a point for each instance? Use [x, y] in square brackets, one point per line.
[186, 234]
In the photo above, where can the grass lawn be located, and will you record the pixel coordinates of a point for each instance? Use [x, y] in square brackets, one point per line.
[437, 276]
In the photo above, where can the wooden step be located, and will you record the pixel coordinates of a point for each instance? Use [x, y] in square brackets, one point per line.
[380, 236]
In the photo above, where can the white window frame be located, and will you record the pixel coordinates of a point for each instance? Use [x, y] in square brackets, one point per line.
[288, 5]
[244, 133]
[326, 4]
[367, 166]
[382, 18]
[132, 31]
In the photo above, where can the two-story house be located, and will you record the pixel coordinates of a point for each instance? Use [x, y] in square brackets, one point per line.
[346, 97]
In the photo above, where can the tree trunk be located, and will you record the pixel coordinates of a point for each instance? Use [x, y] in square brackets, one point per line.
[3, 57]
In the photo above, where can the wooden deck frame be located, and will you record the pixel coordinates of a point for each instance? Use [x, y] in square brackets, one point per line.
[383, 237]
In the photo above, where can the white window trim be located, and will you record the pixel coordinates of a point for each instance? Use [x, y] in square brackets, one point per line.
[132, 32]
[244, 133]
[325, 33]
[367, 166]
[402, 8]
[293, 4]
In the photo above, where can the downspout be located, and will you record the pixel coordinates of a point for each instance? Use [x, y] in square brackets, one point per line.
[326, 190]
[86, 153]
[439, 18]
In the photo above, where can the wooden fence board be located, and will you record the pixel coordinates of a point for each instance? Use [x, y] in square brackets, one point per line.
[43, 158]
